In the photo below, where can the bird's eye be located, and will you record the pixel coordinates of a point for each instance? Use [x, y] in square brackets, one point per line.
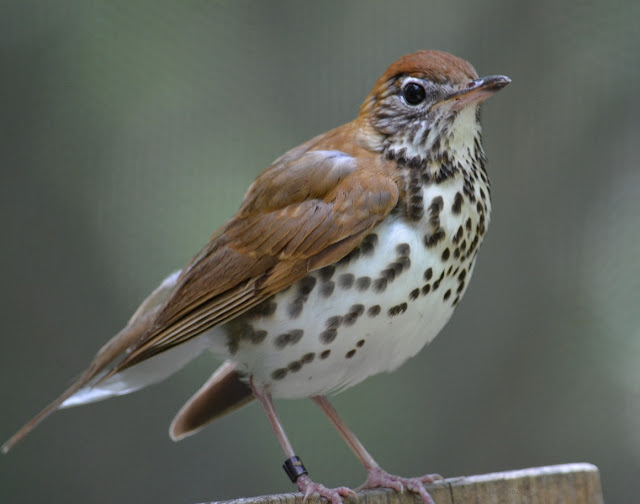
[414, 93]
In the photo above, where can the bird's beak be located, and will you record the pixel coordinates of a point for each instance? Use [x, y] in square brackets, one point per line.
[477, 91]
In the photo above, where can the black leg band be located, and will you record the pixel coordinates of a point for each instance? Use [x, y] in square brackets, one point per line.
[294, 468]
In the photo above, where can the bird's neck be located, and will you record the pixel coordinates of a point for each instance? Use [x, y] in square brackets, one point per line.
[434, 152]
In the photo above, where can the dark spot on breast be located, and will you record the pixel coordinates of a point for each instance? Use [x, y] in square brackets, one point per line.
[295, 308]
[288, 338]
[350, 354]
[389, 274]
[445, 254]
[346, 280]
[258, 336]
[413, 295]
[458, 235]
[360, 343]
[334, 322]
[294, 366]
[305, 286]
[457, 204]
[380, 285]
[402, 264]
[358, 309]
[368, 244]
[331, 331]
[415, 204]
[279, 374]
[282, 340]
[428, 273]
[327, 272]
[327, 288]
[328, 336]
[354, 312]
[473, 245]
[325, 354]
[447, 294]
[434, 210]
[403, 249]
[425, 289]
[308, 357]
[397, 310]
[467, 224]
[363, 283]
[415, 208]
[264, 309]
[374, 311]
[432, 239]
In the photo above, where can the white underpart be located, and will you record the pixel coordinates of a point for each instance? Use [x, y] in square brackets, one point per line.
[389, 340]
[463, 134]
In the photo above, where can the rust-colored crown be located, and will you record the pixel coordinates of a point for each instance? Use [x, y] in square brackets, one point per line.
[437, 66]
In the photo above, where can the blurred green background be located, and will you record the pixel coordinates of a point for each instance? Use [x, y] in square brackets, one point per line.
[130, 131]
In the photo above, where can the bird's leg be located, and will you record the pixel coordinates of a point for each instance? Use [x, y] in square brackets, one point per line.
[376, 476]
[293, 465]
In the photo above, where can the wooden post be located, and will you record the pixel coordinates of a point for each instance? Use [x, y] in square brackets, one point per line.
[559, 484]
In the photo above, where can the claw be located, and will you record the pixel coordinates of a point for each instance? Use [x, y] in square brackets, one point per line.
[333, 495]
[380, 478]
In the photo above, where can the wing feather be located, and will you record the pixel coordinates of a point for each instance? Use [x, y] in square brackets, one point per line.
[308, 210]
[296, 217]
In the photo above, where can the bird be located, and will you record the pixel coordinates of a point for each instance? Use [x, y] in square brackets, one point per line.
[347, 256]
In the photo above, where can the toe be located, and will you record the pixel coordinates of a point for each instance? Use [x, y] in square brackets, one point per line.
[430, 478]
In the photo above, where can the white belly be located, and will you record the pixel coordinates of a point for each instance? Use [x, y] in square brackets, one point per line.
[329, 332]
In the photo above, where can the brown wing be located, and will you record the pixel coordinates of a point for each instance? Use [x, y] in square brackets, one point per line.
[309, 209]
[299, 215]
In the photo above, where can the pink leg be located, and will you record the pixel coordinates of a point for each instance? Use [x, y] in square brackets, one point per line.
[376, 476]
[302, 480]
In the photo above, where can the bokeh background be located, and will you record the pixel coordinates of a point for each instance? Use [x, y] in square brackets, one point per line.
[130, 131]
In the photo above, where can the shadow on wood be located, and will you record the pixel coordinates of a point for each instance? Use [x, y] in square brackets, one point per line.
[565, 484]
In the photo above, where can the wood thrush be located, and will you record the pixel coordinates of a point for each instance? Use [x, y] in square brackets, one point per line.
[347, 256]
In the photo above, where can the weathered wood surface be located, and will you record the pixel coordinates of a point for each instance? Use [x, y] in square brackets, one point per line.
[559, 484]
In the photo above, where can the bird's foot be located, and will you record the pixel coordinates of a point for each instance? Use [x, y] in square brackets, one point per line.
[378, 477]
[333, 495]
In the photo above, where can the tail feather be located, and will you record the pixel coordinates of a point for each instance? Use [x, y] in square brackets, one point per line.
[222, 394]
[35, 421]
[105, 359]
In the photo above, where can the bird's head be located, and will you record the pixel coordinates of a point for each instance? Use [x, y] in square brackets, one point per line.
[425, 106]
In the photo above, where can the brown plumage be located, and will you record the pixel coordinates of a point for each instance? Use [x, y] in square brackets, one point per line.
[311, 208]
